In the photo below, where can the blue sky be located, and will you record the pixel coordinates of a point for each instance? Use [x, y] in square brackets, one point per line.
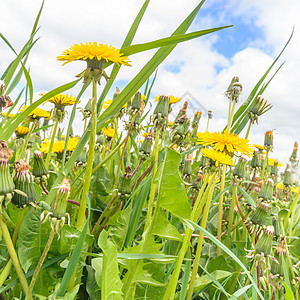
[202, 67]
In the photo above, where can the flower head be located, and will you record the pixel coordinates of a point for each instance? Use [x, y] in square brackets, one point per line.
[217, 156]
[37, 113]
[21, 131]
[173, 99]
[59, 146]
[9, 116]
[95, 55]
[108, 131]
[61, 100]
[225, 141]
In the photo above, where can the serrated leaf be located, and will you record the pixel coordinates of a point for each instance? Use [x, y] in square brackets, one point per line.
[163, 228]
[172, 193]
[111, 283]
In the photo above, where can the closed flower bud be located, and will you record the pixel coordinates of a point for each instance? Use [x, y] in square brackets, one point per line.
[255, 162]
[260, 214]
[279, 255]
[6, 182]
[239, 170]
[264, 243]
[57, 213]
[195, 123]
[268, 143]
[2, 87]
[181, 130]
[287, 177]
[5, 102]
[146, 146]
[234, 89]
[136, 102]
[39, 167]
[198, 182]
[274, 168]
[266, 192]
[23, 181]
[259, 107]
[181, 113]
[124, 184]
[161, 111]
[82, 157]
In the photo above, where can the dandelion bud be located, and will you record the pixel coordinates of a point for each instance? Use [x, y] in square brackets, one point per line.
[124, 184]
[264, 243]
[160, 115]
[260, 214]
[82, 157]
[6, 182]
[23, 181]
[239, 170]
[287, 177]
[210, 115]
[268, 143]
[274, 168]
[137, 101]
[259, 107]
[146, 146]
[181, 130]
[181, 113]
[255, 162]
[39, 167]
[195, 123]
[198, 182]
[5, 102]
[280, 252]
[117, 93]
[266, 192]
[57, 213]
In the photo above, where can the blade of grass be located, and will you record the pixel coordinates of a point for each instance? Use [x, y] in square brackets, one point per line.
[75, 255]
[228, 251]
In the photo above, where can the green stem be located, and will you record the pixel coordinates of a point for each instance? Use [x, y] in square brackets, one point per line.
[5, 272]
[153, 185]
[230, 118]
[51, 143]
[220, 209]
[122, 156]
[14, 258]
[200, 240]
[201, 198]
[231, 212]
[292, 208]
[42, 258]
[264, 166]
[248, 130]
[90, 160]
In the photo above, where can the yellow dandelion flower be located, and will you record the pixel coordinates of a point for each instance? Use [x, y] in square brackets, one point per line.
[145, 134]
[170, 124]
[171, 97]
[9, 116]
[108, 131]
[61, 100]
[217, 156]
[37, 113]
[259, 147]
[271, 162]
[225, 141]
[22, 130]
[90, 51]
[59, 146]
[107, 103]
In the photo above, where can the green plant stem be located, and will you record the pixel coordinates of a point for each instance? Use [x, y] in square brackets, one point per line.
[122, 155]
[5, 272]
[248, 130]
[51, 143]
[231, 212]
[264, 166]
[8, 220]
[220, 209]
[41, 261]
[230, 118]
[153, 185]
[200, 240]
[292, 208]
[201, 198]
[90, 160]
[103, 214]
[14, 258]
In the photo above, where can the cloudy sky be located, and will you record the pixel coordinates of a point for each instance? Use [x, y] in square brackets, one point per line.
[203, 67]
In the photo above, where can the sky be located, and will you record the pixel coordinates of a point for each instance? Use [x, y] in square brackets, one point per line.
[199, 70]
